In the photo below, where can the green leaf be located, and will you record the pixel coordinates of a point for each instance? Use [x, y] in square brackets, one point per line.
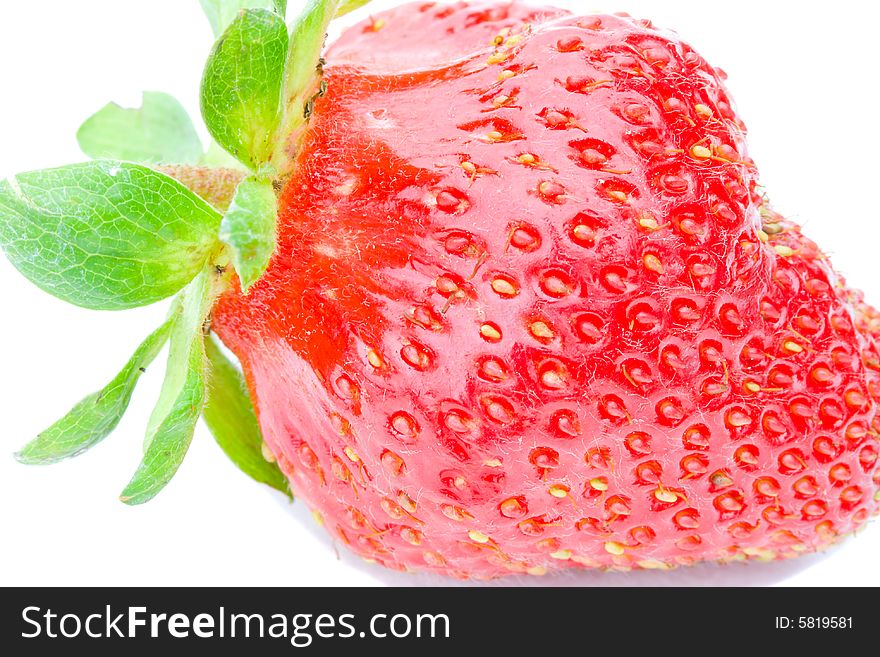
[302, 78]
[221, 13]
[306, 43]
[248, 227]
[92, 419]
[158, 132]
[105, 235]
[241, 86]
[180, 404]
[347, 6]
[232, 420]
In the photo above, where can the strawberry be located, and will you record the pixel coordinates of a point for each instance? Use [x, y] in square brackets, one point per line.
[529, 310]
[525, 306]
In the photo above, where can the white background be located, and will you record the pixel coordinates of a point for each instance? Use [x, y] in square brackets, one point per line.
[804, 75]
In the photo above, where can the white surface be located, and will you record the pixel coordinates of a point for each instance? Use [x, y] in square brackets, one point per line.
[804, 79]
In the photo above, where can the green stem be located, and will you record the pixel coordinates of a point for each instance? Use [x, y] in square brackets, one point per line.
[216, 186]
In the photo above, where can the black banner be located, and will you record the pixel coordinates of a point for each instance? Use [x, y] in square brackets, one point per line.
[524, 621]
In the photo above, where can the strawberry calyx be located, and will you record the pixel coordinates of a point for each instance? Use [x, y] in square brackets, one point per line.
[156, 215]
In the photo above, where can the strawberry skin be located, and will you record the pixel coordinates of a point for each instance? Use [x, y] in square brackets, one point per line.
[529, 311]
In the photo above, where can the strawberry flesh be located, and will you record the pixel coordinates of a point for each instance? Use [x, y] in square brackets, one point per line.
[529, 311]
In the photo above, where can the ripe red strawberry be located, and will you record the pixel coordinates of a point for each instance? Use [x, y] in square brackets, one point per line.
[529, 310]
[525, 308]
